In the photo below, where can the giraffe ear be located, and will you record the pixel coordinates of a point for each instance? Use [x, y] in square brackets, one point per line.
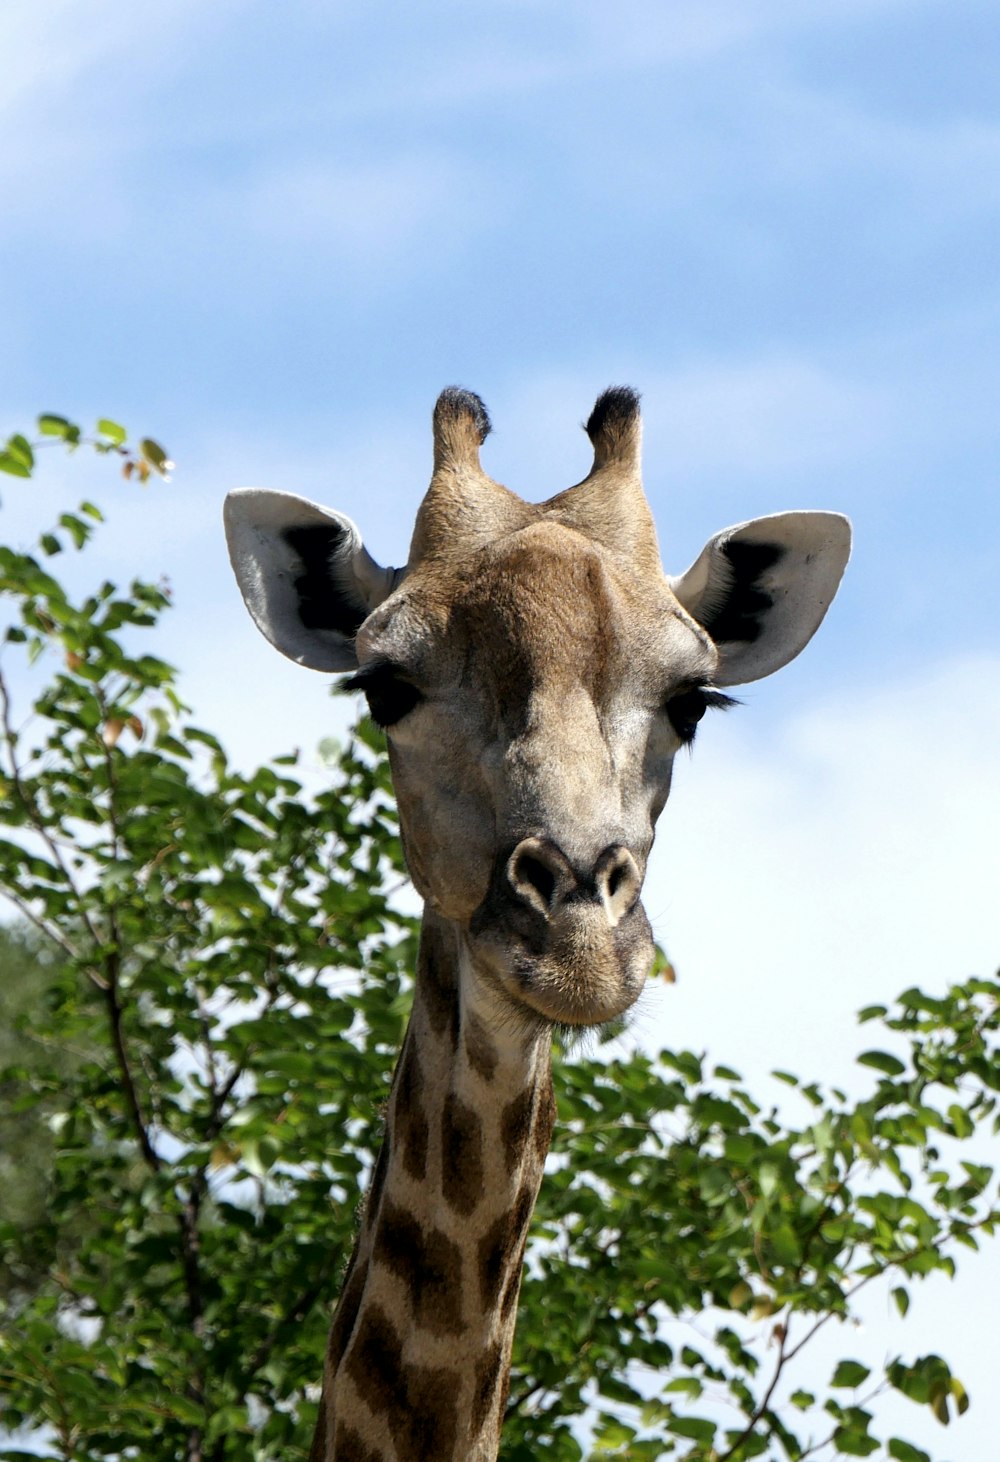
[761, 589]
[305, 575]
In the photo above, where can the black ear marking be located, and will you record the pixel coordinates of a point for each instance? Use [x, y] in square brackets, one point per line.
[325, 602]
[744, 603]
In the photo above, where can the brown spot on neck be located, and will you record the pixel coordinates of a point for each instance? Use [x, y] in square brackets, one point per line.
[516, 1127]
[418, 1403]
[479, 1047]
[437, 981]
[346, 1314]
[428, 1266]
[350, 1446]
[513, 1289]
[545, 1117]
[409, 1123]
[500, 1244]
[461, 1156]
[488, 1371]
[374, 1195]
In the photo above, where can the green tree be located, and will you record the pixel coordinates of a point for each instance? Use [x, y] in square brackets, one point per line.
[210, 1050]
[32, 977]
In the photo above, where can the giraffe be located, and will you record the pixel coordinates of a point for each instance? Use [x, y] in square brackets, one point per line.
[536, 673]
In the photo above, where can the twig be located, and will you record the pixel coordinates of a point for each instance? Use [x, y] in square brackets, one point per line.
[760, 1410]
[835, 1314]
[115, 1019]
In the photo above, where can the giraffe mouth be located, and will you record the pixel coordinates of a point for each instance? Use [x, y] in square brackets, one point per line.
[577, 969]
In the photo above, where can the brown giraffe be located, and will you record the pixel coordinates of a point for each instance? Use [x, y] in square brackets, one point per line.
[536, 674]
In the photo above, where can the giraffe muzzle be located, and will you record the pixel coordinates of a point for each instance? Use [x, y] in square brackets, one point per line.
[571, 942]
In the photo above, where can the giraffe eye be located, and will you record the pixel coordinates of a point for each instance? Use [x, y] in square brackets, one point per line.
[389, 696]
[686, 710]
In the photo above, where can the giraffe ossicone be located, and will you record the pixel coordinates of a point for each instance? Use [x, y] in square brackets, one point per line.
[536, 673]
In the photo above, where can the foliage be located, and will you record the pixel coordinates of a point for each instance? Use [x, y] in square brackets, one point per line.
[209, 1052]
[31, 976]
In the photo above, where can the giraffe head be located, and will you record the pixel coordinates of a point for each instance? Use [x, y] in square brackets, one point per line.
[536, 673]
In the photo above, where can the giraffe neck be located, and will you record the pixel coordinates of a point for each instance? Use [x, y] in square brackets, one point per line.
[419, 1354]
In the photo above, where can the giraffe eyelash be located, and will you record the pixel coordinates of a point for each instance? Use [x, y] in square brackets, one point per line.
[686, 708]
[389, 695]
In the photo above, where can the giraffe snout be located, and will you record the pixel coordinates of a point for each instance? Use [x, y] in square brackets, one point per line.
[568, 939]
[540, 875]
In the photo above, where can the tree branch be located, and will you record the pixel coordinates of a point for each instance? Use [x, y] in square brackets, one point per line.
[760, 1410]
[115, 1017]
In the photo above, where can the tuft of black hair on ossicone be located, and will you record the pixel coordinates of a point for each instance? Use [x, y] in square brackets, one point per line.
[455, 401]
[614, 412]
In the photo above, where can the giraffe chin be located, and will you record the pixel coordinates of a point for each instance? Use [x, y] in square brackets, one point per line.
[583, 971]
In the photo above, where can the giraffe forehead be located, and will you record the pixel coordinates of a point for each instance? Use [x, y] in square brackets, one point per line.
[557, 610]
[543, 603]
[546, 564]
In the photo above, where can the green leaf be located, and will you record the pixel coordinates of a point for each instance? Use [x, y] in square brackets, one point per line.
[768, 1177]
[77, 529]
[155, 455]
[979, 1174]
[961, 1122]
[850, 1373]
[871, 1012]
[687, 1385]
[697, 1428]
[55, 426]
[905, 1451]
[613, 1434]
[19, 448]
[13, 465]
[854, 1442]
[882, 1061]
[110, 429]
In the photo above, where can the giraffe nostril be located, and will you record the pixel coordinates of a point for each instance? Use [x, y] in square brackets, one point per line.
[618, 881]
[539, 875]
[542, 879]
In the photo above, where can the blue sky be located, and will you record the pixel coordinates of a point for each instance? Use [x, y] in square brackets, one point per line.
[268, 235]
